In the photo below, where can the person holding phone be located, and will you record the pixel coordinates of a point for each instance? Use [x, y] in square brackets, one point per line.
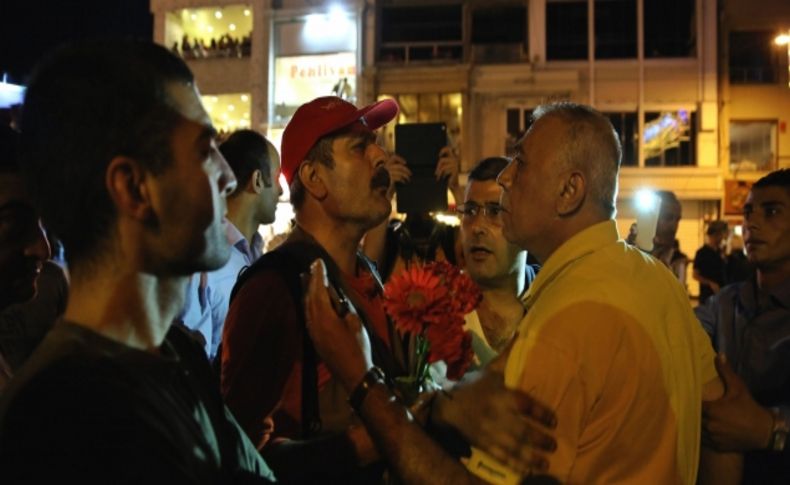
[418, 238]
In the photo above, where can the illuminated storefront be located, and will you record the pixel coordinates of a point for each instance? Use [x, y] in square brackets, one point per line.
[314, 55]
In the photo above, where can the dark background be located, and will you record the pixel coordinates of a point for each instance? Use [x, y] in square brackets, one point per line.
[30, 29]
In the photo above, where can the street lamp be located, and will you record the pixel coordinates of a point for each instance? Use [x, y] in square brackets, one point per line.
[784, 39]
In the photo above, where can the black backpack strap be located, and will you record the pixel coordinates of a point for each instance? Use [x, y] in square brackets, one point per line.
[289, 260]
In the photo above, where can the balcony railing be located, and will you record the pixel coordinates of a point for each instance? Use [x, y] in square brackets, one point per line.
[421, 52]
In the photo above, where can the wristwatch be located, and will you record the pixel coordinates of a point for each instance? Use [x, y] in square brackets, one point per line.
[372, 377]
[779, 432]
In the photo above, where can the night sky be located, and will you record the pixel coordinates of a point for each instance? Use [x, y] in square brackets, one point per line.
[30, 29]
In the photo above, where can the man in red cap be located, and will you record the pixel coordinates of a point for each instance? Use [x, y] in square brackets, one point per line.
[340, 189]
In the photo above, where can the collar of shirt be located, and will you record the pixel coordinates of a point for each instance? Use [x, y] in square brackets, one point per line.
[237, 240]
[577, 247]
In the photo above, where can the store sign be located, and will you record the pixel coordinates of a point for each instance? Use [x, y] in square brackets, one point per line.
[299, 79]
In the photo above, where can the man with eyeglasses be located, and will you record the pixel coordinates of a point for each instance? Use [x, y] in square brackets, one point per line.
[499, 267]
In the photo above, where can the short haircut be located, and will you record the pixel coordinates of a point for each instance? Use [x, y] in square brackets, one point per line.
[322, 153]
[247, 151]
[667, 197]
[488, 169]
[9, 150]
[717, 227]
[590, 143]
[777, 178]
[86, 104]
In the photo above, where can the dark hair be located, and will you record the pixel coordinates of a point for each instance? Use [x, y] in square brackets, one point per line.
[716, 227]
[488, 168]
[322, 153]
[667, 196]
[777, 178]
[86, 104]
[590, 142]
[247, 151]
[9, 150]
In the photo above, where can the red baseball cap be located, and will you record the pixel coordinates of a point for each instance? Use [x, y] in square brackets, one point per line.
[322, 116]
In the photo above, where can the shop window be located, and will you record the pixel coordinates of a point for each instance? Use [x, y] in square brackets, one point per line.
[753, 57]
[201, 33]
[626, 126]
[670, 138]
[228, 112]
[421, 33]
[615, 29]
[566, 30]
[670, 29]
[752, 145]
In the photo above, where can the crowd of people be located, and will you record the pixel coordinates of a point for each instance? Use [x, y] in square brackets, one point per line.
[224, 46]
[186, 354]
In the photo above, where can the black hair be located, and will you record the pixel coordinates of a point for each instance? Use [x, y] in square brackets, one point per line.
[247, 151]
[488, 169]
[777, 178]
[85, 105]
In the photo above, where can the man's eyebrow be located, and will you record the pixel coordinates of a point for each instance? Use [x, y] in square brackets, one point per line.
[771, 203]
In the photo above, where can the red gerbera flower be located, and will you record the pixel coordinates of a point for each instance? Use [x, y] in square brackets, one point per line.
[410, 298]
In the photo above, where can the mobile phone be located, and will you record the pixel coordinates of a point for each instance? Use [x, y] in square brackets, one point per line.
[419, 144]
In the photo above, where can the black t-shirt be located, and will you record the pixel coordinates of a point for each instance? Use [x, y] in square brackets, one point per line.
[709, 263]
[88, 409]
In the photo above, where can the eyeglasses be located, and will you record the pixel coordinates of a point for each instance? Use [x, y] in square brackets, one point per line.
[491, 211]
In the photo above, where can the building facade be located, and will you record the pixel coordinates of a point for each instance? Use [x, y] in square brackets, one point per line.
[660, 69]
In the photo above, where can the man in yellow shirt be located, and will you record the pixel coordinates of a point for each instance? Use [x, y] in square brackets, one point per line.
[609, 340]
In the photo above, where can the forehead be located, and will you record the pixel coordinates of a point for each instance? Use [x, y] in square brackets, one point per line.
[184, 99]
[482, 191]
[544, 139]
[274, 157]
[760, 195]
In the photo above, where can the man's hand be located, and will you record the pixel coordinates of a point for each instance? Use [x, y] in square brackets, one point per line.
[399, 172]
[509, 425]
[449, 166]
[341, 342]
[736, 422]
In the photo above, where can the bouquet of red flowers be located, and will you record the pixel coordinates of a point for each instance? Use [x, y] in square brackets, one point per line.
[429, 302]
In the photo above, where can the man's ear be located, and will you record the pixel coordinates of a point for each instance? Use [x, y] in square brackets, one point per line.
[311, 179]
[573, 190]
[256, 183]
[126, 182]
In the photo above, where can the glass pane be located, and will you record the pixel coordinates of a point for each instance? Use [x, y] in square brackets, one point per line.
[625, 124]
[566, 30]
[408, 108]
[670, 138]
[615, 29]
[752, 145]
[670, 28]
[428, 108]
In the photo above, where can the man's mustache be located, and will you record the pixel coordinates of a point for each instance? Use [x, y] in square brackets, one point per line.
[380, 179]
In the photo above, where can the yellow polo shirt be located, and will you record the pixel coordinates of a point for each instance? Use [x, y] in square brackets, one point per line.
[610, 342]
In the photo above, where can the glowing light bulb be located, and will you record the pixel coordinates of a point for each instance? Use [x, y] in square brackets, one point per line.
[217, 15]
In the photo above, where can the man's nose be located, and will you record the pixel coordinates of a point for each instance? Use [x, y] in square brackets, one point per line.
[227, 180]
[38, 245]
